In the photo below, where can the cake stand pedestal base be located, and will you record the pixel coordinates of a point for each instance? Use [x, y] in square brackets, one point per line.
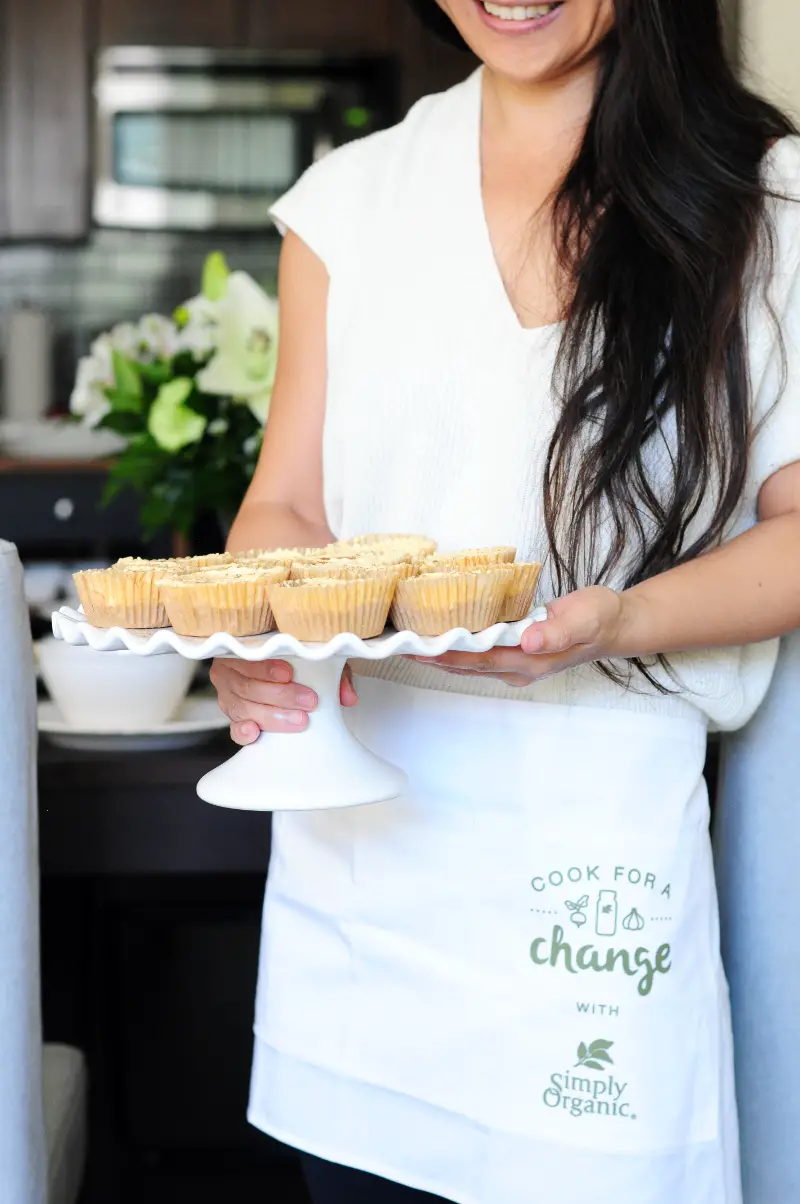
[321, 768]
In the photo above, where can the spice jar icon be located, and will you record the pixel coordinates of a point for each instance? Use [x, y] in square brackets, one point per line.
[607, 913]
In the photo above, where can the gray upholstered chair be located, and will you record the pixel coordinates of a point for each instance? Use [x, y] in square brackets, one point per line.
[757, 845]
[42, 1091]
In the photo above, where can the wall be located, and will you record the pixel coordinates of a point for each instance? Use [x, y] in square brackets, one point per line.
[770, 47]
[117, 276]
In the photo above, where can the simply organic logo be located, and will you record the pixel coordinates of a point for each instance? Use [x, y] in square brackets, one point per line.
[595, 1055]
[590, 1095]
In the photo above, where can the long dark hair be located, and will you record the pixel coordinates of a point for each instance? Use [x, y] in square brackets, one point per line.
[659, 221]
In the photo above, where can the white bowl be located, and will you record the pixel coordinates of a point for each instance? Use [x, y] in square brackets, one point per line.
[106, 691]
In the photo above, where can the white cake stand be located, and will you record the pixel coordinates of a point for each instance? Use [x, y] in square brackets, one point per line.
[324, 766]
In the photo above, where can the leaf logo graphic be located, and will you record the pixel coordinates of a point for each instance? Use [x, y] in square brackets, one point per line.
[596, 1055]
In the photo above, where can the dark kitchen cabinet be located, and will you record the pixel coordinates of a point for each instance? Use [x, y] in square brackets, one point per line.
[214, 23]
[428, 64]
[57, 510]
[44, 119]
[46, 53]
[365, 26]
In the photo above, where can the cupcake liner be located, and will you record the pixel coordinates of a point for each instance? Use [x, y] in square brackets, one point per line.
[475, 558]
[127, 597]
[340, 570]
[403, 569]
[234, 602]
[177, 564]
[520, 593]
[318, 609]
[435, 603]
[418, 545]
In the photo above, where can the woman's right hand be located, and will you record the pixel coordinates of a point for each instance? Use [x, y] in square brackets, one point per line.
[263, 697]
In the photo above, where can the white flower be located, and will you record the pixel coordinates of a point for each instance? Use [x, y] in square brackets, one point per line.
[198, 311]
[124, 338]
[101, 352]
[94, 375]
[247, 345]
[158, 338]
[251, 445]
[259, 405]
[198, 328]
[219, 426]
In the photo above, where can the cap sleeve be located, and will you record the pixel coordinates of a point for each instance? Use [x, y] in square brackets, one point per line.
[775, 329]
[323, 206]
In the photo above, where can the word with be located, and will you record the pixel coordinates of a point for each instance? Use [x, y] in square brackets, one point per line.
[598, 1009]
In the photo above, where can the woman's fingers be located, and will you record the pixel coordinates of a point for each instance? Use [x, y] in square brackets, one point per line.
[270, 693]
[264, 671]
[348, 694]
[270, 718]
[261, 698]
[245, 733]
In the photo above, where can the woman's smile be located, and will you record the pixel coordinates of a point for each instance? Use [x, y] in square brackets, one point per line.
[516, 19]
[532, 43]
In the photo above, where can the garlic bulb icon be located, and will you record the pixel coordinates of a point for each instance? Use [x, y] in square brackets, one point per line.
[633, 922]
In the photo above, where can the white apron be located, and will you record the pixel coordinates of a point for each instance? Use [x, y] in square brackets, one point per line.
[505, 988]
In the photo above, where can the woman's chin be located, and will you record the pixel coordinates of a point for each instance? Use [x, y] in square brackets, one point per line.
[531, 50]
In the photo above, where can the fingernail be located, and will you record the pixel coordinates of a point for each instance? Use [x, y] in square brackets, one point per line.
[533, 641]
[307, 698]
[292, 718]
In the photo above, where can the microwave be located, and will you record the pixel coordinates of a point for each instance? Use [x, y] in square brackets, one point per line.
[190, 139]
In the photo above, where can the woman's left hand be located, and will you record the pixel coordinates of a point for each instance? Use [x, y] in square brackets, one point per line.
[581, 627]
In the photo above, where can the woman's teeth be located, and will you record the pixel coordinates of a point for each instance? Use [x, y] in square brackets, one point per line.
[518, 12]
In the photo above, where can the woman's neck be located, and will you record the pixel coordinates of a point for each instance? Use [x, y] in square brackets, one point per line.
[539, 114]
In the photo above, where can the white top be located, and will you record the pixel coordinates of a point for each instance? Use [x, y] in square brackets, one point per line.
[440, 406]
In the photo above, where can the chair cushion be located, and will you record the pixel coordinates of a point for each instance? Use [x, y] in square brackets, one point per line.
[23, 1171]
[65, 1082]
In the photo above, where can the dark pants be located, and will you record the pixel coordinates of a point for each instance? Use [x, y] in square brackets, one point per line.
[332, 1184]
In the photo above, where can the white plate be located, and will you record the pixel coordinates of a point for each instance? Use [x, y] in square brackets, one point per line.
[57, 439]
[324, 766]
[197, 721]
[71, 625]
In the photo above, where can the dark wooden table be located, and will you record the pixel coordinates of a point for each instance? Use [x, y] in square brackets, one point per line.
[139, 813]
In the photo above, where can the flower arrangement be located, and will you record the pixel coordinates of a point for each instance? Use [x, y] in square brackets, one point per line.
[188, 397]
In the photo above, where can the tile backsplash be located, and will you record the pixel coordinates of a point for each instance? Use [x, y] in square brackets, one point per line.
[116, 277]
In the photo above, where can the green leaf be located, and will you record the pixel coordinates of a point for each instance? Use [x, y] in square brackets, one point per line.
[583, 902]
[127, 403]
[600, 1055]
[113, 487]
[570, 906]
[157, 373]
[598, 1045]
[171, 422]
[215, 276]
[594, 1065]
[126, 375]
[582, 1051]
[122, 422]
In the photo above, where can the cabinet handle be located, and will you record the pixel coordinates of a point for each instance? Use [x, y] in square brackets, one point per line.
[64, 509]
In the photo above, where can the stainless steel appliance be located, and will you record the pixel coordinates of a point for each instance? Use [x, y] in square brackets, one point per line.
[200, 140]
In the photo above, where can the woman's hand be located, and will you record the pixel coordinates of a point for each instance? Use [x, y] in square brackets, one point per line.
[582, 627]
[263, 697]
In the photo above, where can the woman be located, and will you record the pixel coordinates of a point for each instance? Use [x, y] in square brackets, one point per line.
[557, 307]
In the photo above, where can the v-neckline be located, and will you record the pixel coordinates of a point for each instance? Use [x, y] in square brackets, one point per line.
[488, 254]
